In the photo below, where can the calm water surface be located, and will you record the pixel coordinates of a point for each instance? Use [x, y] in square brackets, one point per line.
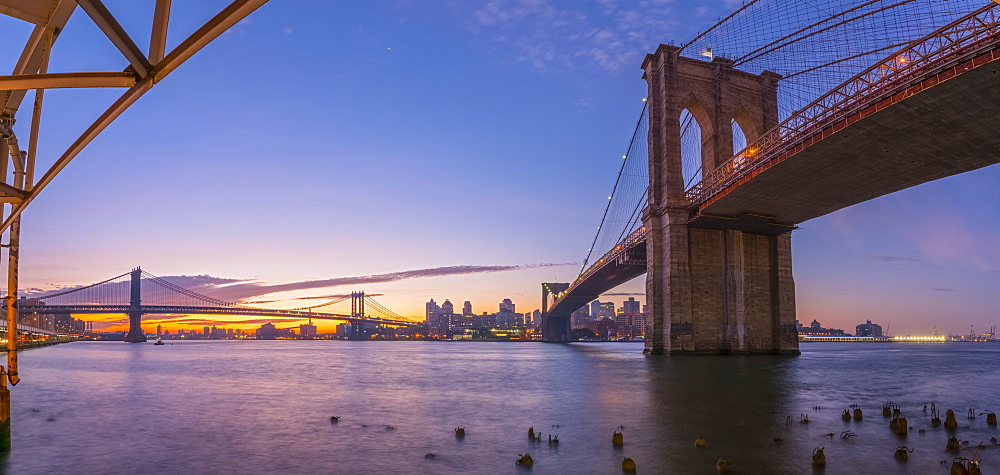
[264, 407]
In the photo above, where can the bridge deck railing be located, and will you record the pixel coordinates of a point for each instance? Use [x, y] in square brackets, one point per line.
[933, 54]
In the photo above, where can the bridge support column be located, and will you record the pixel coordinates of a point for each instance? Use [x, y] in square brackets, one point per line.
[555, 327]
[719, 290]
[668, 282]
[135, 333]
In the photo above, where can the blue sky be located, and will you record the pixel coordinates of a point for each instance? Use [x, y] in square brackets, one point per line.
[328, 140]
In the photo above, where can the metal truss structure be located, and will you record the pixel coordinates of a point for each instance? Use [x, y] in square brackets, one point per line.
[31, 73]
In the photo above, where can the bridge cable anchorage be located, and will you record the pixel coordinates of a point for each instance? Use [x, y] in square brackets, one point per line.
[641, 124]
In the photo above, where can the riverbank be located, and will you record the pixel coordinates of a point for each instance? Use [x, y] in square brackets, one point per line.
[23, 345]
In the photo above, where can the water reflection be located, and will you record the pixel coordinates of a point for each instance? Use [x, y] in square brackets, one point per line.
[261, 407]
[739, 405]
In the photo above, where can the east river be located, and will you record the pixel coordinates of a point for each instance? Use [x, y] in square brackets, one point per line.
[265, 407]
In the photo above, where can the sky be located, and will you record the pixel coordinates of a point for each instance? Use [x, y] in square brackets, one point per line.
[416, 150]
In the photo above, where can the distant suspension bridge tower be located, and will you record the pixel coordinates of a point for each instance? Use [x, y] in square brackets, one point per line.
[135, 333]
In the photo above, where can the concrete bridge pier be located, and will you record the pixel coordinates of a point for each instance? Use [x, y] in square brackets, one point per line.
[725, 286]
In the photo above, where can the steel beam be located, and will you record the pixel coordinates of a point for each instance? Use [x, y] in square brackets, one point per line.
[114, 31]
[158, 37]
[65, 80]
[32, 55]
[31, 11]
[11, 192]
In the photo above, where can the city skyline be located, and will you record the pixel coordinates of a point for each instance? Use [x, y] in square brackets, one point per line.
[435, 150]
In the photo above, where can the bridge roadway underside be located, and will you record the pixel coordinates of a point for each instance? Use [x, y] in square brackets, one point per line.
[556, 323]
[950, 128]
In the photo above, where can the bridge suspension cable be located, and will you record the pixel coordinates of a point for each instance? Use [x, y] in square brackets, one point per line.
[382, 310]
[326, 304]
[112, 293]
[817, 45]
[193, 297]
[629, 196]
[629, 189]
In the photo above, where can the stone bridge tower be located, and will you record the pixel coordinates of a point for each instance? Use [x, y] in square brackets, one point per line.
[722, 288]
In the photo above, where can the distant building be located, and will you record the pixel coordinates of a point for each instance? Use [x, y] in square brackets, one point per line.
[441, 319]
[868, 329]
[467, 309]
[607, 310]
[266, 331]
[65, 323]
[432, 310]
[604, 328]
[580, 317]
[307, 331]
[507, 318]
[630, 306]
[484, 321]
[815, 329]
[595, 310]
[599, 310]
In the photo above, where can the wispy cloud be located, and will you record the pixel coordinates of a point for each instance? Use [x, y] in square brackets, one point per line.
[247, 290]
[939, 289]
[551, 35]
